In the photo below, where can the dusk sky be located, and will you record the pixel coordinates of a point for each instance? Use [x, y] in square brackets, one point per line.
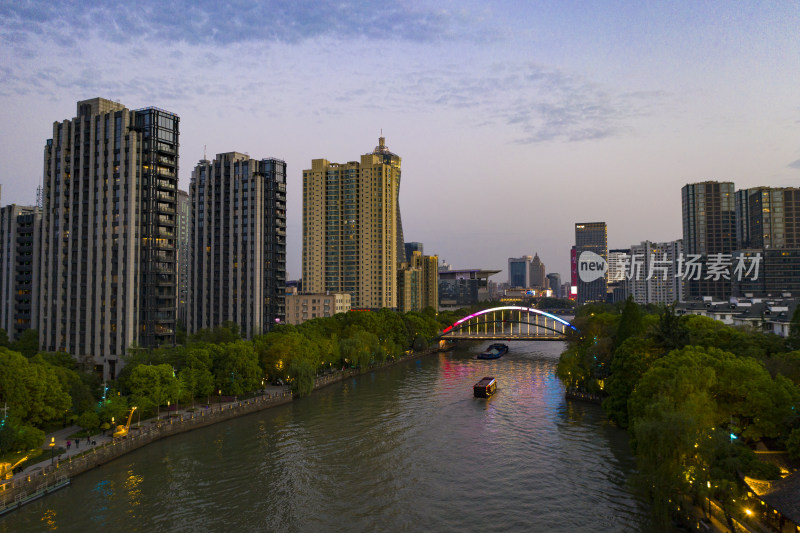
[514, 120]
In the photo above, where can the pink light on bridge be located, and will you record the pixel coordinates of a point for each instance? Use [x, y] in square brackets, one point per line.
[510, 308]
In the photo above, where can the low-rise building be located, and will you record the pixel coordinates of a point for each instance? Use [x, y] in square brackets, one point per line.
[462, 288]
[302, 307]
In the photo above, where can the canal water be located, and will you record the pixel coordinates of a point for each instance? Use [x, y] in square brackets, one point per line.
[407, 448]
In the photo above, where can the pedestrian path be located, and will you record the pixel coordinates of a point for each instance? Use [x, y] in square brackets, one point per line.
[82, 445]
[60, 439]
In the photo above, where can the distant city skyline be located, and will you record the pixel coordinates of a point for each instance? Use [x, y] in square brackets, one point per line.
[531, 117]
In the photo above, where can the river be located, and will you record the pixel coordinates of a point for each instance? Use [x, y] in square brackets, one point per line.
[407, 448]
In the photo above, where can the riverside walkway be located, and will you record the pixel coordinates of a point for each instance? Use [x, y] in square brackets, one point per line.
[53, 473]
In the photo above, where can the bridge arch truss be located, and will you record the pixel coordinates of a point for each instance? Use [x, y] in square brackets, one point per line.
[509, 323]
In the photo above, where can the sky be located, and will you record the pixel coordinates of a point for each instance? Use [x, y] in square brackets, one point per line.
[514, 120]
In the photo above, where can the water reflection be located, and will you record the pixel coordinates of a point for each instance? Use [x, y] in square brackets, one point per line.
[404, 448]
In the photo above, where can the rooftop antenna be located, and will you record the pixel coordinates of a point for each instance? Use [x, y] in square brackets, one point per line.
[204, 153]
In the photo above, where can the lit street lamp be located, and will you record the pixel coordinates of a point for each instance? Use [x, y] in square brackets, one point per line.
[52, 450]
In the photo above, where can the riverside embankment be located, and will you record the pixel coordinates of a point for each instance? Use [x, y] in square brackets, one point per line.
[50, 474]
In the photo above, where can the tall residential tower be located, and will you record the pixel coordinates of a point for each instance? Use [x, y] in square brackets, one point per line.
[709, 231]
[352, 232]
[19, 268]
[108, 256]
[238, 243]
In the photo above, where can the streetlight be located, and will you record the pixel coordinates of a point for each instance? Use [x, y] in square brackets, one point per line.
[52, 451]
[219, 392]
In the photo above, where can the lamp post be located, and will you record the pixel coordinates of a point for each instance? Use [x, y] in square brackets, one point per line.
[219, 392]
[168, 414]
[52, 450]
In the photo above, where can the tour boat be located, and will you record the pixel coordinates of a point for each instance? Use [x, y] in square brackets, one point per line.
[485, 387]
[495, 351]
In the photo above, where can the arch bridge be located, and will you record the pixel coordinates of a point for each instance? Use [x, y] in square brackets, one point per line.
[509, 323]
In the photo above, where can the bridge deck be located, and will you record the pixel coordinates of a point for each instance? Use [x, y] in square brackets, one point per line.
[482, 337]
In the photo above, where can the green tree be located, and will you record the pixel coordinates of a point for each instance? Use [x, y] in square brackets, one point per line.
[77, 386]
[195, 377]
[793, 444]
[236, 369]
[152, 385]
[28, 343]
[359, 348]
[670, 333]
[302, 374]
[630, 362]
[671, 413]
[630, 323]
[33, 391]
[793, 340]
[276, 350]
[89, 420]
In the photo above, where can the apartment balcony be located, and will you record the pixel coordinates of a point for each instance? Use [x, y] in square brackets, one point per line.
[167, 161]
[166, 173]
[164, 184]
[165, 149]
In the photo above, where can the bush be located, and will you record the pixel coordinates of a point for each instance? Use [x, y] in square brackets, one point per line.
[89, 420]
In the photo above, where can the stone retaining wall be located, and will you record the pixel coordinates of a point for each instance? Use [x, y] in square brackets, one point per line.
[19, 491]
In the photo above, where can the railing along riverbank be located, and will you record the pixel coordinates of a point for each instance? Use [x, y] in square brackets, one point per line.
[22, 490]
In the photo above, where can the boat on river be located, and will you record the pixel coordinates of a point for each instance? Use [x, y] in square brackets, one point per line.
[485, 387]
[495, 351]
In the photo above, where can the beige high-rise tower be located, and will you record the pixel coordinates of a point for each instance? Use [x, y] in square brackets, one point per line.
[352, 232]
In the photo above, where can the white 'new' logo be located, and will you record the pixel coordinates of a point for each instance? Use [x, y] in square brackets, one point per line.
[591, 267]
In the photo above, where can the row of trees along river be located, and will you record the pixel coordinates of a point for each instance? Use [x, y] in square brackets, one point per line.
[44, 391]
[697, 397]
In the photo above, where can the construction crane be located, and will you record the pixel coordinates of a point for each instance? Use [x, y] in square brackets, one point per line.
[121, 430]
[7, 469]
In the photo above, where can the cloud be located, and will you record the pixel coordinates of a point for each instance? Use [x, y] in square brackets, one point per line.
[795, 164]
[342, 57]
[543, 104]
[213, 22]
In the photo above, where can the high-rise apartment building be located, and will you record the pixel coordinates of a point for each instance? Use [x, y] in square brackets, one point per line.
[182, 237]
[652, 275]
[411, 247]
[591, 237]
[108, 250]
[418, 283]
[519, 272]
[352, 231]
[238, 243]
[19, 268]
[538, 275]
[768, 225]
[768, 217]
[709, 228]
